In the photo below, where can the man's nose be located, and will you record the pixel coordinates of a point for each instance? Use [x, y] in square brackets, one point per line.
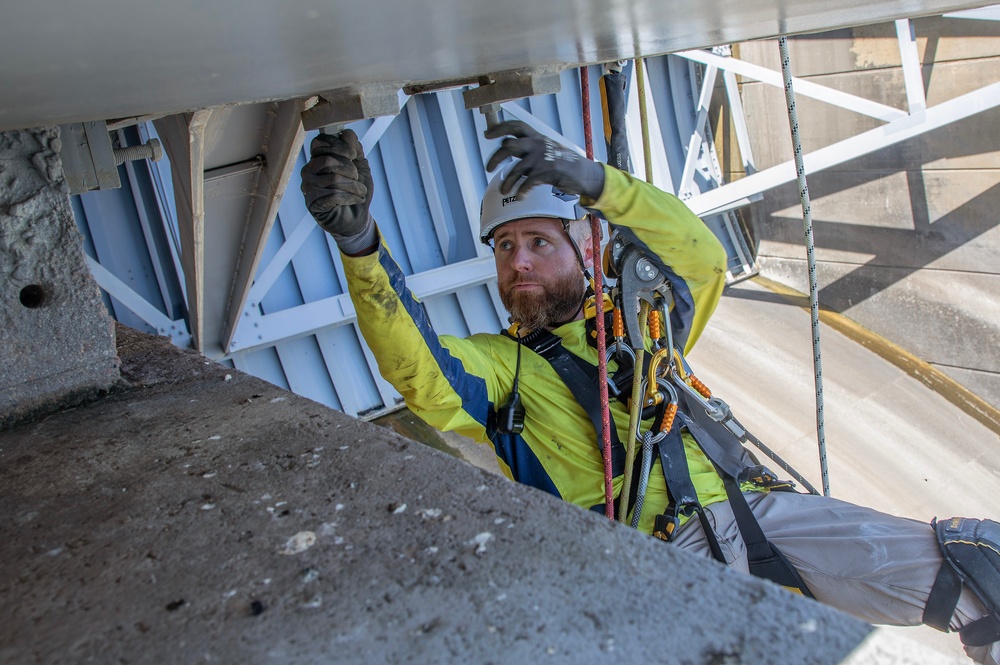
[521, 259]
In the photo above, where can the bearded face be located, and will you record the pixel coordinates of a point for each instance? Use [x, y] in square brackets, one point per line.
[539, 275]
[551, 300]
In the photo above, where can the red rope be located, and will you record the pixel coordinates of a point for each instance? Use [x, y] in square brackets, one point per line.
[602, 368]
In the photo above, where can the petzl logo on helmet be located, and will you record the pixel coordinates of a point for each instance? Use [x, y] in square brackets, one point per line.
[509, 199]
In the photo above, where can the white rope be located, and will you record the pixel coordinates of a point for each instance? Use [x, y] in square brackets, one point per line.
[786, 71]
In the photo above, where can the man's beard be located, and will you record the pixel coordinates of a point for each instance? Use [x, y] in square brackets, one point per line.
[555, 303]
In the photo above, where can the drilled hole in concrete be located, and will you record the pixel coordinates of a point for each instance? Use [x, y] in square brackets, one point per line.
[32, 296]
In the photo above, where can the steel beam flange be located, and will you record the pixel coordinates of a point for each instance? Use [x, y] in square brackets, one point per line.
[510, 85]
[344, 105]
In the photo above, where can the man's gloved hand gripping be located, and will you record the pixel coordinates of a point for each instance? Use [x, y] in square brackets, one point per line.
[542, 160]
[337, 184]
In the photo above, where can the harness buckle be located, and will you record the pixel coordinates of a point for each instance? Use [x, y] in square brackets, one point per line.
[665, 526]
[666, 523]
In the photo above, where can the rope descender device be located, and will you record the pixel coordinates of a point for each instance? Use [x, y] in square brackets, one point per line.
[639, 278]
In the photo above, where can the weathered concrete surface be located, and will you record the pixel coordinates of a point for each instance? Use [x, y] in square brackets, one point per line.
[58, 341]
[906, 237]
[202, 515]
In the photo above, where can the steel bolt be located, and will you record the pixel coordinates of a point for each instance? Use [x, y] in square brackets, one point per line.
[150, 150]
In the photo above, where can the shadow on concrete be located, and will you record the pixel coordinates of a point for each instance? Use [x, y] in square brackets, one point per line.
[895, 253]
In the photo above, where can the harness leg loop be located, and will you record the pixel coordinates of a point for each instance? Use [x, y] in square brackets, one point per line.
[971, 550]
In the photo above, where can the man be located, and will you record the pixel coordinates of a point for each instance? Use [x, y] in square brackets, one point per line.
[504, 389]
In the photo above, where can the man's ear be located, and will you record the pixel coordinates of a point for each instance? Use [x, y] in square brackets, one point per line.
[587, 249]
[588, 253]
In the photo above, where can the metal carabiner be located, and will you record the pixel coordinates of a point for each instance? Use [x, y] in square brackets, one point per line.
[654, 365]
[717, 409]
[655, 398]
[619, 347]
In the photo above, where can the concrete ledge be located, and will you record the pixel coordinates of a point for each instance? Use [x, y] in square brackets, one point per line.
[198, 514]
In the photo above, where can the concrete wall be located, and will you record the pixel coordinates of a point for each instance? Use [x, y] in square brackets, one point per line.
[907, 237]
[58, 342]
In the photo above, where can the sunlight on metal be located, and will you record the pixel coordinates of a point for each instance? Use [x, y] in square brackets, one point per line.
[697, 141]
[802, 87]
[912, 74]
[991, 13]
[896, 131]
[739, 122]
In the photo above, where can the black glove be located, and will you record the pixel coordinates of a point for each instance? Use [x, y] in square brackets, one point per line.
[337, 184]
[543, 161]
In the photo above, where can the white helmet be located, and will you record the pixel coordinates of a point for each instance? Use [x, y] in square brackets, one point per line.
[540, 201]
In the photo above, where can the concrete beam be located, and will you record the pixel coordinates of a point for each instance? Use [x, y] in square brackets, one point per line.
[58, 343]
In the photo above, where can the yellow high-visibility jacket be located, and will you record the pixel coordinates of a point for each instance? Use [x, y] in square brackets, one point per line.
[456, 384]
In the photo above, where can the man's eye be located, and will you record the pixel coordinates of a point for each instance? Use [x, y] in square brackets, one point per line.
[504, 245]
[540, 242]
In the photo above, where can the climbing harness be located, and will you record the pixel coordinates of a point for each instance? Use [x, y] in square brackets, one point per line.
[655, 382]
[682, 402]
[662, 395]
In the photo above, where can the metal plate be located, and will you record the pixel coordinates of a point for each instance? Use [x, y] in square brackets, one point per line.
[65, 62]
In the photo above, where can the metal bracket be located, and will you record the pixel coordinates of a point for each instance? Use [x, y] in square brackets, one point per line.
[510, 85]
[90, 161]
[344, 105]
[88, 157]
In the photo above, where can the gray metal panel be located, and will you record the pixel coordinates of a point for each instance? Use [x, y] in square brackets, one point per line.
[263, 364]
[302, 362]
[124, 232]
[100, 59]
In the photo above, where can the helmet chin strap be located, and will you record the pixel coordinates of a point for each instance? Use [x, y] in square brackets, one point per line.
[588, 278]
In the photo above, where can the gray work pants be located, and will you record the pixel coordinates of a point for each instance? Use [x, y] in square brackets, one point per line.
[873, 566]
